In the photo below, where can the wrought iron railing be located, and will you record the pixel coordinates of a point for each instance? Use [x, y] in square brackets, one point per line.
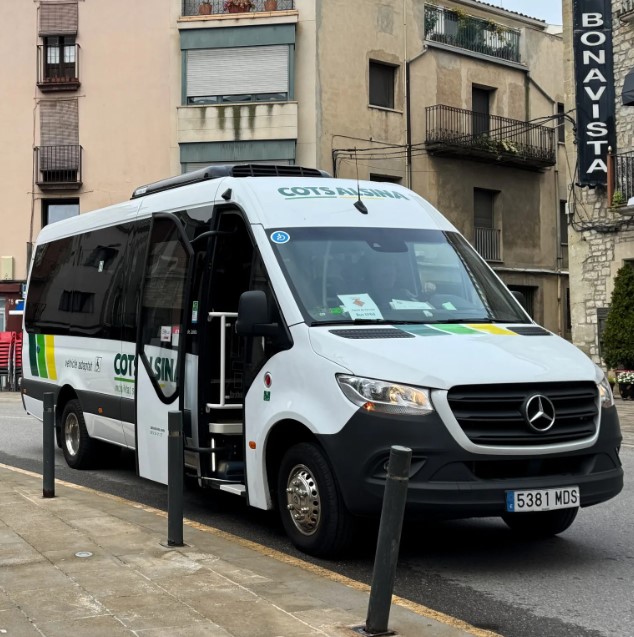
[623, 178]
[59, 74]
[487, 243]
[489, 134]
[456, 28]
[58, 166]
[217, 7]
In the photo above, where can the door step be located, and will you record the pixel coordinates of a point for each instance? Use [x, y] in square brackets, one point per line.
[236, 489]
[230, 428]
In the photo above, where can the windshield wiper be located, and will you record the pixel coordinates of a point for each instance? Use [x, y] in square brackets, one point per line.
[470, 320]
[351, 322]
[369, 322]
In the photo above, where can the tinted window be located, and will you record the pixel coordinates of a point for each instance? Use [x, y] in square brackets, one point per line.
[163, 306]
[48, 306]
[97, 294]
[135, 262]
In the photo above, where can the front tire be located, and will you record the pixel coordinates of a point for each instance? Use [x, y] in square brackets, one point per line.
[540, 524]
[79, 449]
[311, 507]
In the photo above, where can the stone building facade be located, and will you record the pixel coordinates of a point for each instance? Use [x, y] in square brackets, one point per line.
[601, 224]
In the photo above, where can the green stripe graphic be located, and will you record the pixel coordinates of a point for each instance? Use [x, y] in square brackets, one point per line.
[41, 357]
[33, 355]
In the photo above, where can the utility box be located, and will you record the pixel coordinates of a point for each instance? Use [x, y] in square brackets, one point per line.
[6, 268]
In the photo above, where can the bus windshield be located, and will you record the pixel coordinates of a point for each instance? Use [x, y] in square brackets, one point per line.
[390, 275]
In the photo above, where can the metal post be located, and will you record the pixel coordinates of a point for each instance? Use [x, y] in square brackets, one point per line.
[175, 478]
[610, 177]
[389, 540]
[48, 447]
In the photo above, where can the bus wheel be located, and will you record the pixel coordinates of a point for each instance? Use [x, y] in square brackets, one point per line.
[77, 446]
[540, 524]
[312, 509]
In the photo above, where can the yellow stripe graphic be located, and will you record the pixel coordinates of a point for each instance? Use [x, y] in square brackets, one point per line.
[492, 329]
[50, 356]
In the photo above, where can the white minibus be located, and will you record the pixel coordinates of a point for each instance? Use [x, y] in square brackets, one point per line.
[304, 325]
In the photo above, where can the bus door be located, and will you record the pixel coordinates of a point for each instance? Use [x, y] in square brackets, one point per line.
[160, 345]
[221, 367]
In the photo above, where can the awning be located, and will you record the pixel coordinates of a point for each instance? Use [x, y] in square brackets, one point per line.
[628, 89]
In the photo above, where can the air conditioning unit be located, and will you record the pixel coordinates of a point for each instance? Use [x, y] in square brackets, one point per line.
[6, 268]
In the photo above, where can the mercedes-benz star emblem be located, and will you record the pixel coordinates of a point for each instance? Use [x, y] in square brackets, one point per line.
[539, 412]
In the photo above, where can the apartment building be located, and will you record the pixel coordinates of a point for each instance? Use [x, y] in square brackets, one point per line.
[457, 99]
[599, 36]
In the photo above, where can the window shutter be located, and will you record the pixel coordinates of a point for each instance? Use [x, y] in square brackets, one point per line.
[59, 126]
[244, 70]
[58, 18]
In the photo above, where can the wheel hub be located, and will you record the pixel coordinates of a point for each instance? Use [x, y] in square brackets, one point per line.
[303, 501]
[71, 434]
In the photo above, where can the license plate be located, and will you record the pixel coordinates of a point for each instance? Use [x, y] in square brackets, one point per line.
[542, 499]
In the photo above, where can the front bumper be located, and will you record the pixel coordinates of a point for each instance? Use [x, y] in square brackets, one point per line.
[447, 481]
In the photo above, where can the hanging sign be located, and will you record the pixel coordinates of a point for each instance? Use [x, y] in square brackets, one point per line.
[594, 86]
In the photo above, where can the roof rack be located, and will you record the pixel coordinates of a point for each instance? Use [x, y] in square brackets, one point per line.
[227, 170]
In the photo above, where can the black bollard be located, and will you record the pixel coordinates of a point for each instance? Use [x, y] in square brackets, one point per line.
[175, 479]
[389, 541]
[48, 447]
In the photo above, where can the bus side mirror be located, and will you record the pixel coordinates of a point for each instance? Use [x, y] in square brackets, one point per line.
[253, 315]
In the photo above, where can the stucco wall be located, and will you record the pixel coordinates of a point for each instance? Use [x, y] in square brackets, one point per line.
[129, 66]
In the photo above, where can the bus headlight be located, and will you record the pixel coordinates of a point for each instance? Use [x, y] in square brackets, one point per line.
[388, 398]
[605, 393]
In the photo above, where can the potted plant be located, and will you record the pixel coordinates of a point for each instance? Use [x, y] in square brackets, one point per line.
[238, 6]
[204, 8]
[618, 336]
[626, 384]
[270, 5]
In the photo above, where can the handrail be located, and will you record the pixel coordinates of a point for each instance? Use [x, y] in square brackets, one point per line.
[223, 354]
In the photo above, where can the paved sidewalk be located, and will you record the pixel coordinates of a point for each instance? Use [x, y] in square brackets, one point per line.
[129, 583]
[626, 417]
[86, 564]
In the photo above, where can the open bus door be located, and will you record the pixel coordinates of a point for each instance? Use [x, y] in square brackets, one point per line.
[161, 342]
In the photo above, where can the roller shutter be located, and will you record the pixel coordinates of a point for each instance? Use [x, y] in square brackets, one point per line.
[58, 18]
[237, 71]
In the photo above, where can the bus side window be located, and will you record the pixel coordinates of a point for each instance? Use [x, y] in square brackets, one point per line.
[52, 278]
[231, 264]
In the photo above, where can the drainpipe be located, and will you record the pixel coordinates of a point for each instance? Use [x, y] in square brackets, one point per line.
[408, 114]
[408, 121]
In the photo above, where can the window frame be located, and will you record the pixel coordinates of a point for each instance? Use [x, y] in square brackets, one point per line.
[48, 202]
[372, 86]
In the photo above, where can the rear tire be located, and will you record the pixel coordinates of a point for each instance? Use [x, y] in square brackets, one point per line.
[540, 524]
[311, 507]
[79, 449]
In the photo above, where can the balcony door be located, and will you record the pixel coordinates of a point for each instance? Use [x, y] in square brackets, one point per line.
[59, 58]
[481, 107]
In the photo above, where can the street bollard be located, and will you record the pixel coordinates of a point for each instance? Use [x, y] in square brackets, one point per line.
[175, 479]
[388, 542]
[48, 447]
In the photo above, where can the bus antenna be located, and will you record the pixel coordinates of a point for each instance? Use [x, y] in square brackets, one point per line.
[358, 204]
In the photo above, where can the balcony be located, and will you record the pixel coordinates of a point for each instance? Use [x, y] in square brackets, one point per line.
[221, 7]
[58, 75]
[58, 167]
[621, 175]
[489, 138]
[487, 243]
[456, 28]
